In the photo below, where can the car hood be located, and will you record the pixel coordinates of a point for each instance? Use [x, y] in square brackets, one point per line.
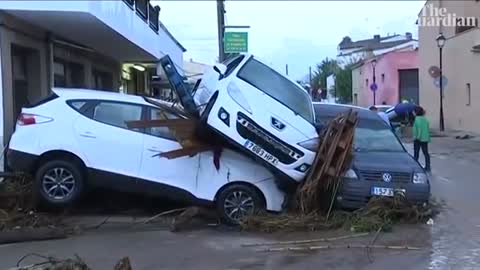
[385, 161]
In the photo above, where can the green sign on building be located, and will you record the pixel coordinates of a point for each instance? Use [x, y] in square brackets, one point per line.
[236, 42]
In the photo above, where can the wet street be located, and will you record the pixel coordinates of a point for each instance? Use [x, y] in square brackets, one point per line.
[456, 232]
[452, 242]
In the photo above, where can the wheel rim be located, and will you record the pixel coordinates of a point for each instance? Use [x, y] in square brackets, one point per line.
[58, 183]
[238, 205]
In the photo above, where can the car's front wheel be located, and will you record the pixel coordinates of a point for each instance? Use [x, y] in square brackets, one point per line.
[58, 183]
[239, 201]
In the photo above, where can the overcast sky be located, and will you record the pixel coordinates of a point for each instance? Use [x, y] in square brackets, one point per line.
[297, 33]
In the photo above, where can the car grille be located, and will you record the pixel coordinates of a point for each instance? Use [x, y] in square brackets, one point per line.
[251, 131]
[397, 177]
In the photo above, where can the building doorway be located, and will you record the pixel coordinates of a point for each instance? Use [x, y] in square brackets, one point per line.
[409, 85]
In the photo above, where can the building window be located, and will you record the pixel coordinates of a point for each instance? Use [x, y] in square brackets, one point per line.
[102, 80]
[465, 23]
[383, 77]
[68, 74]
[130, 3]
[59, 74]
[366, 82]
[142, 8]
[469, 95]
[153, 13]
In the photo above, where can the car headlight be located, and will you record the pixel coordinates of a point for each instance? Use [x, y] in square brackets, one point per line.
[311, 144]
[351, 174]
[420, 178]
[238, 97]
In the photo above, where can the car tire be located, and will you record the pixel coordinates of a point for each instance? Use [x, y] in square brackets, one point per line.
[58, 183]
[239, 198]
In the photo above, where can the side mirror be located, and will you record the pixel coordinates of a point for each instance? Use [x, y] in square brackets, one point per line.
[220, 69]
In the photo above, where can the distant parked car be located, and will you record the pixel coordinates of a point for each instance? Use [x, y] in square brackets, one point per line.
[383, 108]
[401, 114]
[78, 138]
[267, 115]
[381, 165]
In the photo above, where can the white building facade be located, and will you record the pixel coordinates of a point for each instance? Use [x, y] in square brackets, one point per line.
[351, 52]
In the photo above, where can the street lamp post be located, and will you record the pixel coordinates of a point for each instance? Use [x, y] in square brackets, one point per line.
[374, 63]
[440, 43]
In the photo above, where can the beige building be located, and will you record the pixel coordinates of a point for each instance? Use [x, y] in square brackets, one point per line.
[458, 22]
[357, 82]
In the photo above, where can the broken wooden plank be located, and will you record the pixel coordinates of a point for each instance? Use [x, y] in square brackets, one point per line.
[186, 151]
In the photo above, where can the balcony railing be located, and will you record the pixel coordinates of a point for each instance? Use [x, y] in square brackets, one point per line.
[146, 11]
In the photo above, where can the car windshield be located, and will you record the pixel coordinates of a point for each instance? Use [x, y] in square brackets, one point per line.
[232, 64]
[278, 87]
[375, 136]
[371, 135]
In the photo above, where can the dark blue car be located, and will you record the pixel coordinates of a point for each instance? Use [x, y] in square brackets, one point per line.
[381, 165]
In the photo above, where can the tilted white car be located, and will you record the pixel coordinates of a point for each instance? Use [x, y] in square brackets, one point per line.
[77, 138]
[265, 113]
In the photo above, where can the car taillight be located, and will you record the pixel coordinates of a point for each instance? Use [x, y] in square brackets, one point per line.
[25, 119]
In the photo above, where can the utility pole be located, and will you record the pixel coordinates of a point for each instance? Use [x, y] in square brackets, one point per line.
[286, 69]
[221, 29]
[310, 80]
[442, 121]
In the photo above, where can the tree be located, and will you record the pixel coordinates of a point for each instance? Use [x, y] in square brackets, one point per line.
[324, 69]
[343, 84]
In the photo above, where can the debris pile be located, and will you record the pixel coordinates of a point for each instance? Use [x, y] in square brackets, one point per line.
[76, 263]
[19, 222]
[332, 160]
[17, 205]
[379, 214]
[383, 212]
[315, 196]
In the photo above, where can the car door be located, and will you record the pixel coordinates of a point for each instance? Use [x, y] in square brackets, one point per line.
[178, 172]
[105, 140]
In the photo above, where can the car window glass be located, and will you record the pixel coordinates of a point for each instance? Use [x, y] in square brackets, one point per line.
[77, 104]
[164, 132]
[278, 87]
[117, 114]
[232, 64]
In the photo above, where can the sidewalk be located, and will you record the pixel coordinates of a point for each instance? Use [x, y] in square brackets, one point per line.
[455, 133]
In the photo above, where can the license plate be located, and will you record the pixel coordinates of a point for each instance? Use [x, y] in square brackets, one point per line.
[259, 151]
[380, 191]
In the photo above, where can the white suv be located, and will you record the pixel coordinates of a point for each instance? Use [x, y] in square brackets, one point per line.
[77, 138]
[265, 113]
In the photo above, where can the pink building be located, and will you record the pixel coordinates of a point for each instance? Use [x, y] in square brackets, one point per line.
[396, 78]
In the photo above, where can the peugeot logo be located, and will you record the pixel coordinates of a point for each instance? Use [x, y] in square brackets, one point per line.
[277, 124]
[387, 177]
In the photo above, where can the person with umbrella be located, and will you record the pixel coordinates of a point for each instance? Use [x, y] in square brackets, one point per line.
[421, 136]
[381, 114]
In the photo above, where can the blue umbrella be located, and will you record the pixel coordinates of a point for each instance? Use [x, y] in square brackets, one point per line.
[404, 108]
